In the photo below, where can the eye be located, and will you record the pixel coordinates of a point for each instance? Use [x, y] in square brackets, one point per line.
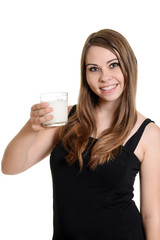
[113, 65]
[93, 69]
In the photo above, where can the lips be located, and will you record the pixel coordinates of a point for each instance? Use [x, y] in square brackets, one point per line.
[110, 87]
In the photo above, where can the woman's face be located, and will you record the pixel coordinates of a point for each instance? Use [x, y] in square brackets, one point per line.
[103, 73]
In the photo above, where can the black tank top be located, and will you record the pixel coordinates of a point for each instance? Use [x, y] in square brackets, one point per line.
[96, 205]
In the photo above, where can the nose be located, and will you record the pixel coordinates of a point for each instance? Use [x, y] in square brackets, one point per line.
[105, 75]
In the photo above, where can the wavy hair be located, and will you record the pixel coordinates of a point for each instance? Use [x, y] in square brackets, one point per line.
[75, 135]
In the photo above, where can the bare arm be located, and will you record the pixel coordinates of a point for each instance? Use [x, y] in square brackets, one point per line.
[150, 183]
[33, 143]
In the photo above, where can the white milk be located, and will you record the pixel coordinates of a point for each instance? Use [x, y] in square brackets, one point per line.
[60, 113]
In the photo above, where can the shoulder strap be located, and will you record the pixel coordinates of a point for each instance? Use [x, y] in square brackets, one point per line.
[132, 143]
[72, 111]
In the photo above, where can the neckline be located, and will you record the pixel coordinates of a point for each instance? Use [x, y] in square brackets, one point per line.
[96, 139]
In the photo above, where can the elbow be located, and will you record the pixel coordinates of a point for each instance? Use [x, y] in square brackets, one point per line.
[151, 217]
[5, 171]
[10, 168]
[5, 167]
[8, 171]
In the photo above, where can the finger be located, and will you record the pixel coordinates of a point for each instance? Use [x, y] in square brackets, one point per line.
[41, 112]
[39, 106]
[40, 120]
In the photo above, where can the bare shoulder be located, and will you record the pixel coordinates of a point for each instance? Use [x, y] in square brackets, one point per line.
[151, 135]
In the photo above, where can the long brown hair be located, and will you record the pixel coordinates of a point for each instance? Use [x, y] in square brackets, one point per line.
[81, 125]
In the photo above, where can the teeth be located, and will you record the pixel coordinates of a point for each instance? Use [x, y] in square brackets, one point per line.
[109, 88]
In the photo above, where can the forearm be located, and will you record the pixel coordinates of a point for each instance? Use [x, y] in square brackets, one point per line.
[17, 150]
[152, 228]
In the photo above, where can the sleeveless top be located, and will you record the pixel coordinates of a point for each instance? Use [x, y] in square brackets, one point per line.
[96, 205]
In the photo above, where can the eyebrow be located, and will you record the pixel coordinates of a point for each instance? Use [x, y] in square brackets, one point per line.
[97, 64]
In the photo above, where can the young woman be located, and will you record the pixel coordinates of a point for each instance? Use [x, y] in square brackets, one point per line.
[97, 155]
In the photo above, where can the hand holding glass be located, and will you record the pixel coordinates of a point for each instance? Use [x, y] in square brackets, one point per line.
[59, 102]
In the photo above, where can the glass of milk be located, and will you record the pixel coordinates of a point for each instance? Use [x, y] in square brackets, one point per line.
[59, 102]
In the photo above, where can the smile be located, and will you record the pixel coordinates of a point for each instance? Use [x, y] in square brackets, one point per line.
[109, 87]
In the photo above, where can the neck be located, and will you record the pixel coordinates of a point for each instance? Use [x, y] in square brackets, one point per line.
[107, 108]
[104, 116]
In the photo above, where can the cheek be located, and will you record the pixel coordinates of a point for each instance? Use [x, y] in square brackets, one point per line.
[91, 84]
[121, 79]
[90, 80]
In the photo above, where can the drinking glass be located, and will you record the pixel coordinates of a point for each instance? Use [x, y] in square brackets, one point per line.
[59, 102]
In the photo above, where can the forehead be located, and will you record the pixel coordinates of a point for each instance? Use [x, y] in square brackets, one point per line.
[98, 54]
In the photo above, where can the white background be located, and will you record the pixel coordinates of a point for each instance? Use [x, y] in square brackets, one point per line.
[40, 48]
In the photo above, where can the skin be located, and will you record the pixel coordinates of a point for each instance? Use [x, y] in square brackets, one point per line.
[103, 70]
[34, 142]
